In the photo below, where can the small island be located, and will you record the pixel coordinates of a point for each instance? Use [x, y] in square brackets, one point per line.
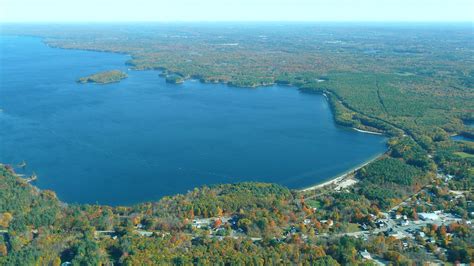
[104, 77]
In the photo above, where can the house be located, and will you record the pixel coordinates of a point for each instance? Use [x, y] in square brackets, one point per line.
[428, 216]
[293, 230]
[365, 255]
[328, 222]
[200, 223]
[404, 222]
[397, 234]
[380, 223]
[144, 233]
[220, 229]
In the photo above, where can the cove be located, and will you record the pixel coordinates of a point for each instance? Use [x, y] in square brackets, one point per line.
[461, 137]
[142, 139]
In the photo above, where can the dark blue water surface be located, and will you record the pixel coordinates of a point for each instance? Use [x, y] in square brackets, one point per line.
[461, 138]
[141, 139]
[464, 138]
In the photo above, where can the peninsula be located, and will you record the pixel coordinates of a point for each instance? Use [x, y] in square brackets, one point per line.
[174, 79]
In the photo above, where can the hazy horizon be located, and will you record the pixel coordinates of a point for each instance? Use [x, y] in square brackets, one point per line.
[178, 11]
[269, 22]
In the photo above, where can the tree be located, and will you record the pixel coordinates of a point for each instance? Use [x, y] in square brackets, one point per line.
[3, 249]
[325, 261]
[5, 219]
[86, 252]
[244, 224]
[217, 223]
[219, 212]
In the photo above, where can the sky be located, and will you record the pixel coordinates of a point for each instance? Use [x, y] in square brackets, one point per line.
[237, 10]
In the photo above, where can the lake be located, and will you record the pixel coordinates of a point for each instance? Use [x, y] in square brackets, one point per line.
[461, 138]
[142, 138]
[464, 138]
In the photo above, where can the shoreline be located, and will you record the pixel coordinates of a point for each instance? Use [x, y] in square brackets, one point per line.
[368, 132]
[340, 177]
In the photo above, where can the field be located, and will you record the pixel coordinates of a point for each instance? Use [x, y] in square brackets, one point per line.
[464, 155]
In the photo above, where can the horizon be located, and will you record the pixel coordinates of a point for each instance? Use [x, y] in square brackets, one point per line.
[240, 22]
[368, 24]
[208, 11]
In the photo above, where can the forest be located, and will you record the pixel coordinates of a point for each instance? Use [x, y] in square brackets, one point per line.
[254, 223]
[104, 77]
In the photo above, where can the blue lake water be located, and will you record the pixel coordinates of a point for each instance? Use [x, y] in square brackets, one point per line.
[464, 138]
[142, 138]
[461, 138]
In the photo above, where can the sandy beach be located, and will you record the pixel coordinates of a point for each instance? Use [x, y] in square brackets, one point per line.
[341, 178]
[368, 132]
